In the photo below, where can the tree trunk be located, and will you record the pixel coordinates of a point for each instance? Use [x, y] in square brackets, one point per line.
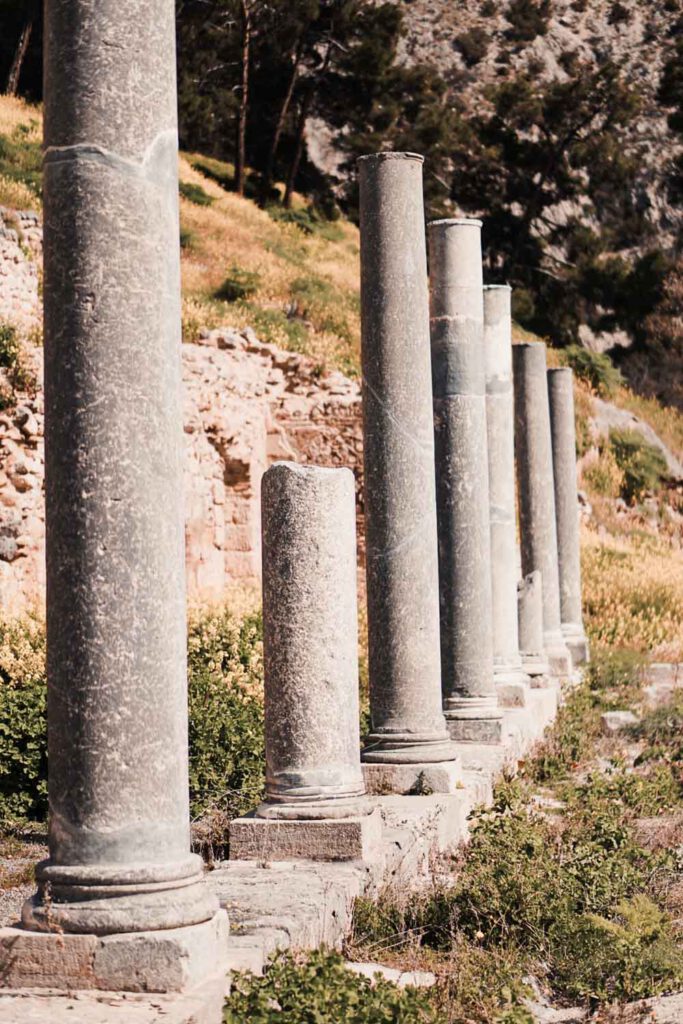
[19, 54]
[301, 127]
[243, 110]
[279, 127]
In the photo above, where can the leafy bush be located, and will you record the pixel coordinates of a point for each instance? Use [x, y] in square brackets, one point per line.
[596, 368]
[225, 673]
[473, 45]
[316, 988]
[644, 467]
[239, 284]
[19, 376]
[23, 723]
[529, 18]
[195, 193]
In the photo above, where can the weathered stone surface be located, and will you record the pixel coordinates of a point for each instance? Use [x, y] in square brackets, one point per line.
[338, 839]
[310, 641]
[458, 382]
[500, 430]
[170, 960]
[445, 777]
[117, 690]
[530, 617]
[563, 433]
[400, 508]
[534, 462]
[612, 722]
[415, 979]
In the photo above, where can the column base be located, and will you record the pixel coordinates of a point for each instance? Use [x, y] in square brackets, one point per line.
[559, 658]
[110, 900]
[406, 748]
[170, 960]
[413, 779]
[512, 686]
[474, 719]
[538, 670]
[577, 642]
[276, 839]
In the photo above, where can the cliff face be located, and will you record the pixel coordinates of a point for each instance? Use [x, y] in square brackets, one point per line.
[637, 35]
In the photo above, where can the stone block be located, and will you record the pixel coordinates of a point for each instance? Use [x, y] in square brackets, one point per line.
[338, 839]
[512, 695]
[413, 779]
[169, 960]
[475, 730]
[612, 722]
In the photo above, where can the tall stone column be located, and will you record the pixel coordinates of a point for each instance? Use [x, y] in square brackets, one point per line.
[500, 423]
[563, 434]
[408, 724]
[534, 460]
[119, 836]
[459, 386]
[314, 804]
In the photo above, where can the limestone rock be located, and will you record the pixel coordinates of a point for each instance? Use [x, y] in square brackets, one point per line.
[613, 722]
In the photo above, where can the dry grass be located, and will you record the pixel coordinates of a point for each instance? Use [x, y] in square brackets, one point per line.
[15, 112]
[633, 593]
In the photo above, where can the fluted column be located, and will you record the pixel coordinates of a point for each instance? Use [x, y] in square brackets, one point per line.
[534, 461]
[402, 571]
[500, 421]
[459, 387]
[119, 833]
[563, 432]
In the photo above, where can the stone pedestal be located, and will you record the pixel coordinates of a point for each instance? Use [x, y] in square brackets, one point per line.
[310, 645]
[511, 681]
[538, 531]
[530, 612]
[563, 433]
[119, 872]
[352, 838]
[408, 725]
[458, 381]
[413, 779]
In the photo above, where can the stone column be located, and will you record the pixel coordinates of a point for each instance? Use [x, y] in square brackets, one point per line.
[459, 386]
[534, 459]
[563, 433]
[314, 784]
[530, 613]
[408, 724]
[119, 836]
[511, 680]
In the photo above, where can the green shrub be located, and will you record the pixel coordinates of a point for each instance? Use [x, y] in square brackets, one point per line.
[275, 327]
[316, 988]
[12, 360]
[629, 957]
[309, 220]
[225, 697]
[195, 193]
[528, 18]
[596, 368]
[239, 284]
[473, 45]
[644, 467]
[23, 724]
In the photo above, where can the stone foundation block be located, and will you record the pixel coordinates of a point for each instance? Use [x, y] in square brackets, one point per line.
[171, 960]
[413, 779]
[512, 695]
[475, 730]
[273, 839]
[578, 648]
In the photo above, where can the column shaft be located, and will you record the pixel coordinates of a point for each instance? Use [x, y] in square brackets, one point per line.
[310, 635]
[530, 612]
[500, 420]
[402, 569]
[534, 460]
[458, 372]
[563, 432]
[117, 703]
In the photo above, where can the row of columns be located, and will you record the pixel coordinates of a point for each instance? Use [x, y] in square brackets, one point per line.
[442, 618]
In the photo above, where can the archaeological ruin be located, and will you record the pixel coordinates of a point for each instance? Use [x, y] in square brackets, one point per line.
[468, 650]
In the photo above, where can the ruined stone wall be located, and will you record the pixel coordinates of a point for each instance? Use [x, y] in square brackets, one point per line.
[21, 245]
[246, 405]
